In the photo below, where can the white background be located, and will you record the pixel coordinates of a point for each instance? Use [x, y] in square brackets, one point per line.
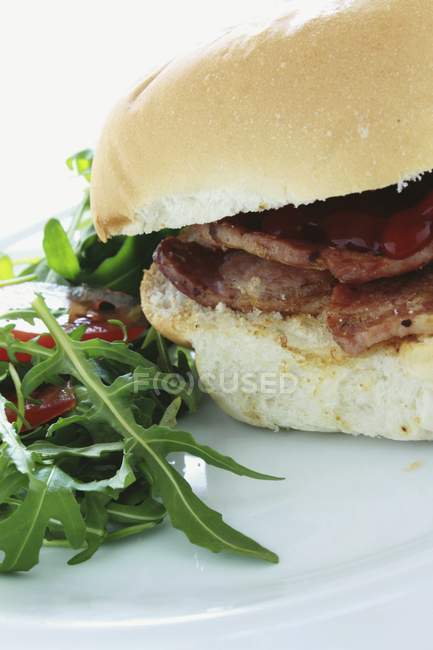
[63, 64]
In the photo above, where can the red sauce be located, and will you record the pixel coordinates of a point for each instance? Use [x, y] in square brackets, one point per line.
[293, 223]
[409, 231]
[359, 231]
[379, 222]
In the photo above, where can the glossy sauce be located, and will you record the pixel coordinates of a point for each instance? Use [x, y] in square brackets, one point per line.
[380, 222]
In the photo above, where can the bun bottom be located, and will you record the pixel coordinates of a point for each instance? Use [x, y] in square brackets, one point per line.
[288, 373]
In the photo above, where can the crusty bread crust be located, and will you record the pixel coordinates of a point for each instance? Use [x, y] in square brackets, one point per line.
[284, 373]
[332, 98]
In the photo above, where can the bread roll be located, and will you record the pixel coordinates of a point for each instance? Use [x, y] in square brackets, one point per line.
[332, 98]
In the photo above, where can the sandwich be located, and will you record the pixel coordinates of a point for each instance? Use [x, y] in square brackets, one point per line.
[291, 164]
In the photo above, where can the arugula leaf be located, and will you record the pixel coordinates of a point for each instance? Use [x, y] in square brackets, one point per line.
[22, 533]
[6, 268]
[169, 418]
[202, 525]
[59, 253]
[31, 277]
[112, 404]
[4, 370]
[123, 478]
[11, 480]
[166, 440]
[49, 451]
[121, 533]
[179, 377]
[14, 448]
[148, 510]
[81, 162]
[29, 315]
[13, 346]
[96, 518]
[119, 352]
[19, 408]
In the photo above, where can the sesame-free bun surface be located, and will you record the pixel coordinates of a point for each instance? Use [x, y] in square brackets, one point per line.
[331, 98]
[288, 372]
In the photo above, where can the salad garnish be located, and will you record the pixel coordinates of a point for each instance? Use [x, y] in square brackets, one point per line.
[90, 398]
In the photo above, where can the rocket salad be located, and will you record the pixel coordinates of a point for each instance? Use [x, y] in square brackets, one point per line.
[90, 396]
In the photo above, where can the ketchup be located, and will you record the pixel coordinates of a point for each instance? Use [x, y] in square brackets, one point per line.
[379, 222]
[409, 231]
[358, 231]
[293, 223]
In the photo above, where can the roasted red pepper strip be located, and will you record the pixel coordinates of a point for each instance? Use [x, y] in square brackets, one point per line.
[95, 330]
[45, 341]
[52, 402]
[100, 329]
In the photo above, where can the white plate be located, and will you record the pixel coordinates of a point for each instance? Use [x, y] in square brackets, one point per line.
[352, 523]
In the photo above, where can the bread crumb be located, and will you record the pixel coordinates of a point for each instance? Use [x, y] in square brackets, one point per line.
[416, 464]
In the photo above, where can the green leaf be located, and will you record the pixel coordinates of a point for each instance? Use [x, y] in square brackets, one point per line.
[149, 510]
[18, 280]
[11, 481]
[112, 404]
[202, 525]
[81, 162]
[119, 352]
[118, 323]
[20, 406]
[63, 423]
[13, 346]
[6, 267]
[52, 367]
[77, 216]
[171, 383]
[29, 315]
[169, 419]
[167, 440]
[14, 448]
[164, 358]
[4, 370]
[112, 485]
[123, 478]
[59, 252]
[113, 270]
[121, 533]
[22, 533]
[96, 518]
[121, 263]
[49, 451]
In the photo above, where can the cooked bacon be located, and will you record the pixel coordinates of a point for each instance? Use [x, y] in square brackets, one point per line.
[232, 234]
[353, 267]
[297, 253]
[347, 266]
[242, 281]
[361, 316]
[200, 234]
[358, 316]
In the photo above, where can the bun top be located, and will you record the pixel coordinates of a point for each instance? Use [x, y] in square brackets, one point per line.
[334, 97]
